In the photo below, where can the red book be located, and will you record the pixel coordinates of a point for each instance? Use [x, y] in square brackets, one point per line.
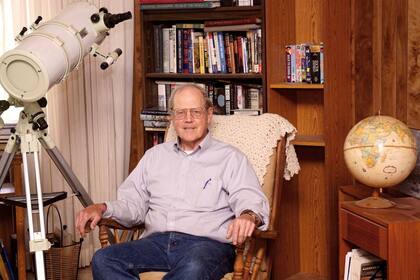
[168, 1]
[250, 20]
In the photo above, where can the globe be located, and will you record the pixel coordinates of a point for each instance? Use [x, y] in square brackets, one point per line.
[380, 151]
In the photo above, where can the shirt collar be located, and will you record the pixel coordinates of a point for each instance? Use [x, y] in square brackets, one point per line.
[205, 143]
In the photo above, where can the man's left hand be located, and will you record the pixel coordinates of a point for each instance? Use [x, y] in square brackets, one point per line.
[240, 229]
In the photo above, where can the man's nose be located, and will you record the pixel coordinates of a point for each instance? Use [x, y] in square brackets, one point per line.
[188, 116]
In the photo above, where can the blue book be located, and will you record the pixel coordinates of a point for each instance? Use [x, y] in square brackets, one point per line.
[6, 260]
[221, 43]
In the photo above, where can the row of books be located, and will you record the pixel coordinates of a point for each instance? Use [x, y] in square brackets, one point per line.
[360, 265]
[305, 63]
[189, 48]
[194, 4]
[226, 96]
[178, 4]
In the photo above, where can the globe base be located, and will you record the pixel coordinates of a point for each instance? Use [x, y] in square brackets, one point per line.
[375, 202]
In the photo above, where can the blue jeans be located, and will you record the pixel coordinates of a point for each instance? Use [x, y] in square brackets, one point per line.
[183, 256]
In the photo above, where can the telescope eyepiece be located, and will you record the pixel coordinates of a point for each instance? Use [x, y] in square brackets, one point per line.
[111, 20]
[38, 20]
[95, 18]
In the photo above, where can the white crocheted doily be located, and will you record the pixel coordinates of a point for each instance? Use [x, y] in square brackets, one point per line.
[255, 136]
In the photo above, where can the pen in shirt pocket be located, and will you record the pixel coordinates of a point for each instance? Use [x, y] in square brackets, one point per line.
[206, 183]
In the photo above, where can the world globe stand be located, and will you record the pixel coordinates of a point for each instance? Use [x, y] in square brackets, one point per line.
[375, 201]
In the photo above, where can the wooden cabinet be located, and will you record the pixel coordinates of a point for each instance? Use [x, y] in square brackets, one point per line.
[391, 234]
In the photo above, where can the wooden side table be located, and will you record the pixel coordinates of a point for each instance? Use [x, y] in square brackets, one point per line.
[392, 234]
[16, 180]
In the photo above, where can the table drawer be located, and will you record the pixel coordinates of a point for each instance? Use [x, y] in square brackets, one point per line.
[364, 233]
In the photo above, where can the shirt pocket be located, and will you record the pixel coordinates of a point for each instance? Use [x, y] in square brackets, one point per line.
[209, 193]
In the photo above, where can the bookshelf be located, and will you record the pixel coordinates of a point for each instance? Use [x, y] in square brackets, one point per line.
[309, 202]
[355, 35]
[146, 76]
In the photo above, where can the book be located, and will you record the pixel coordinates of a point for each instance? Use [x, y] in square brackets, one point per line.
[154, 111]
[3, 270]
[242, 21]
[239, 27]
[171, 1]
[156, 123]
[174, 6]
[6, 261]
[360, 265]
[247, 112]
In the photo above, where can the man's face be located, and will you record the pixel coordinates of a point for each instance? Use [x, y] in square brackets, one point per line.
[190, 118]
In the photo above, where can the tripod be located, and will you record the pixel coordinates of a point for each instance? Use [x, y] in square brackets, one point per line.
[30, 133]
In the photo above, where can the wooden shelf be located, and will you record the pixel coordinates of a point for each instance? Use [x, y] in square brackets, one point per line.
[296, 86]
[309, 140]
[201, 14]
[176, 76]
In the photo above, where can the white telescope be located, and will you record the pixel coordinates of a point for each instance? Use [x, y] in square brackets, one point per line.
[49, 53]
[43, 58]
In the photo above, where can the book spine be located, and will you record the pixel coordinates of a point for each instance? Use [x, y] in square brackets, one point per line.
[201, 53]
[172, 50]
[227, 99]
[217, 52]
[209, 52]
[168, 1]
[190, 25]
[157, 38]
[191, 52]
[165, 49]
[308, 63]
[186, 35]
[173, 6]
[250, 20]
[315, 64]
[288, 54]
[8, 264]
[321, 64]
[179, 50]
[222, 52]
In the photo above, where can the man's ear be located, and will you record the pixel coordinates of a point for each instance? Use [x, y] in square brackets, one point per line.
[209, 114]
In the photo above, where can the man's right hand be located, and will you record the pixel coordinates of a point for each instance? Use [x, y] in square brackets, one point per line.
[91, 213]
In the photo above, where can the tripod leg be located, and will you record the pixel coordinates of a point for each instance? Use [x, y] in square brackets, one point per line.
[37, 241]
[7, 157]
[66, 170]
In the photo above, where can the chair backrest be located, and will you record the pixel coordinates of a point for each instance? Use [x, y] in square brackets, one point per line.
[254, 136]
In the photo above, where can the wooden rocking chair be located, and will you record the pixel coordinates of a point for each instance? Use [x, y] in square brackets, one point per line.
[251, 260]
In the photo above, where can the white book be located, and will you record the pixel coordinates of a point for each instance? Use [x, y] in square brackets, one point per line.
[162, 97]
[165, 49]
[172, 49]
[217, 52]
[347, 265]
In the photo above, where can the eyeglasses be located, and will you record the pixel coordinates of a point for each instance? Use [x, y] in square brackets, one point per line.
[196, 113]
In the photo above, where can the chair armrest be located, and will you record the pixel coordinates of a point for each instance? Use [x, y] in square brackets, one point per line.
[110, 223]
[267, 234]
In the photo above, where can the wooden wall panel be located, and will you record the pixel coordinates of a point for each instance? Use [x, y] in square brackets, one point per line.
[338, 113]
[309, 16]
[413, 82]
[137, 141]
[310, 113]
[380, 58]
[312, 210]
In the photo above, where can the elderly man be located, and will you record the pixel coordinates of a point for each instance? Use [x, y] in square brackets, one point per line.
[196, 196]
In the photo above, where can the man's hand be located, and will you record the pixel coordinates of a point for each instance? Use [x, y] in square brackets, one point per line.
[91, 213]
[241, 228]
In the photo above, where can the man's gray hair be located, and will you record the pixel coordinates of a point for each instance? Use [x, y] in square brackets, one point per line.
[207, 102]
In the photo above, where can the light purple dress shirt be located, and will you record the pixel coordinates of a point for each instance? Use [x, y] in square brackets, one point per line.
[198, 193]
